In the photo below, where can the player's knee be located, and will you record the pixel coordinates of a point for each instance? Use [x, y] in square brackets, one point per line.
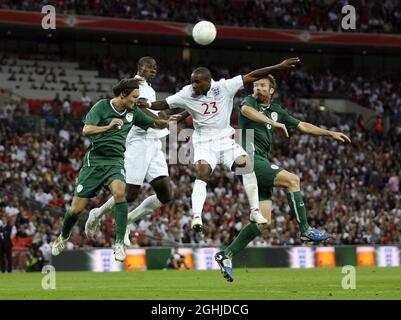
[242, 165]
[119, 195]
[203, 172]
[294, 183]
[75, 210]
[165, 197]
[241, 161]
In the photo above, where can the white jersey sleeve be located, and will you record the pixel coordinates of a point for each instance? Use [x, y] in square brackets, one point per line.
[232, 85]
[178, 100]
[147, 92]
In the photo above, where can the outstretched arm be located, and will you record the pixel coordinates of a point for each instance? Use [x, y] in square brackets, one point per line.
[156, 105]
[311, 129]
[253, 115]
[174, 117]
[263, 72]
[179, 116]
[160, 124]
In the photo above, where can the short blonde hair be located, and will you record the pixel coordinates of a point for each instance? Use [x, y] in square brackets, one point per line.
[272, 80]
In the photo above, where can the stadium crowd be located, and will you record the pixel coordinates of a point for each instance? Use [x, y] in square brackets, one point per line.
[316, 15]
[352, 191]
[380, 94]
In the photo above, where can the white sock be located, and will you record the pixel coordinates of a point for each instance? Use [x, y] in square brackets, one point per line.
[105, 208]
[251, 189]
[198, 197]
[147, 206]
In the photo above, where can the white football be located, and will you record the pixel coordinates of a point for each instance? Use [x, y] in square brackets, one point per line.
[204, 33]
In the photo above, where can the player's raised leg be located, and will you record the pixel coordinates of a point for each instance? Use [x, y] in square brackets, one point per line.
[203, 171]
[292, 183]
[243, 166]
[117, 188]
[246, 235]
[161, 185]
[265, 174]
[70, 218]
[95, 216]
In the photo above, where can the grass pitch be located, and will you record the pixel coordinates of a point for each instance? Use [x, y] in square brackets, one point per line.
[371, 283]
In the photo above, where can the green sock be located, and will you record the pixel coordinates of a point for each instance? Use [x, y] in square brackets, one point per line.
[69, 221]
[120, 216]
[298, 207]
[247, 234]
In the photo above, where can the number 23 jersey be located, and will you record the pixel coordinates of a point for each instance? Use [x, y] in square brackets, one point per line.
[211, 112]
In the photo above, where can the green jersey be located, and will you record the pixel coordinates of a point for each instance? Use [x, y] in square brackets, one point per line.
[108, 148]
[263, 134]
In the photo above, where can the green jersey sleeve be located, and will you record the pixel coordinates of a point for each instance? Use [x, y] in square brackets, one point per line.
[93, 117]
[142, 120]
[288, 120]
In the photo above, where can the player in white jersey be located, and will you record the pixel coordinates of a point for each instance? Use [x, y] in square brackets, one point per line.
[144, 160]
[210, 103]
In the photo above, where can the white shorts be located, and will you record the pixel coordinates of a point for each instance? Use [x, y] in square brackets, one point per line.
[220, 151]
[144, 160]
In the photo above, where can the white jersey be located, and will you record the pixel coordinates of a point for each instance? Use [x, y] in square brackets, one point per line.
[147, 92]
[211, 112]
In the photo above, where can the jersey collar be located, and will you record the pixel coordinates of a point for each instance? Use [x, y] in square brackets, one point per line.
[120, 113]
[143, 81]
[264, 109]
[212, 82]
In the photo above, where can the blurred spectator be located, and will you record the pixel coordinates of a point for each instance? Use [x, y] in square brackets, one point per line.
[379, 129]
[34, 259]
[67, 104]
[176, 261]
[394, 182]
[6, 245]
[86, 101]
[361, 123]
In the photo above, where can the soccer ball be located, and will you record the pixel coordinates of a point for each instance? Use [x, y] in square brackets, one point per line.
[204, 32]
